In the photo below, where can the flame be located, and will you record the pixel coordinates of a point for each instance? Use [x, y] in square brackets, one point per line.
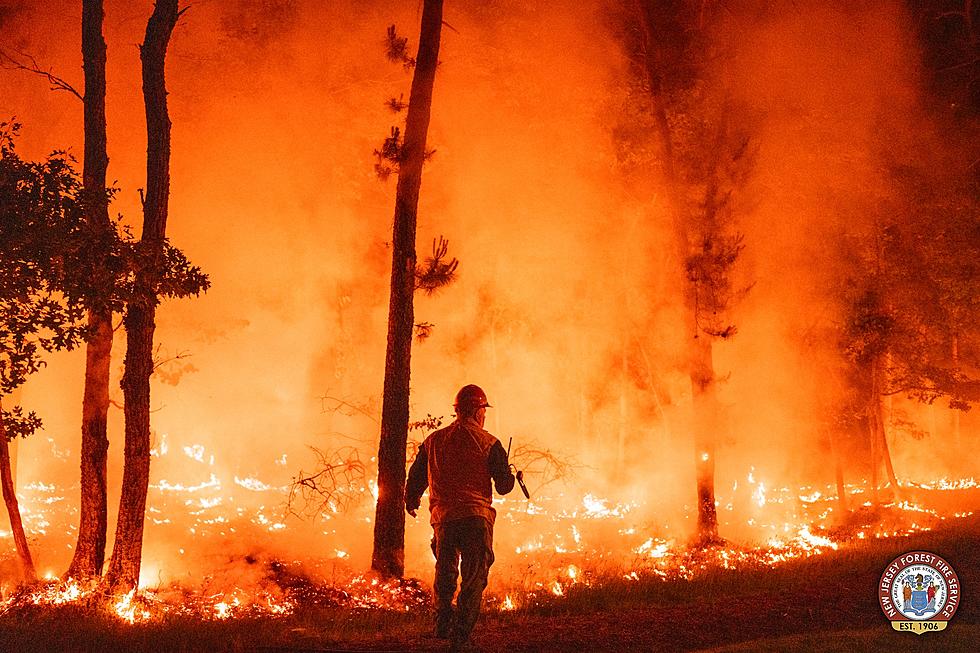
[131, 610]
[565, 546]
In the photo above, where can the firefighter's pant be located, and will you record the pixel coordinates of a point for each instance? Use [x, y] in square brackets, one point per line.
[462, 547]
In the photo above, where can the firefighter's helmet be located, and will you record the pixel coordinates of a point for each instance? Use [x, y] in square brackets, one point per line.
[471, 397]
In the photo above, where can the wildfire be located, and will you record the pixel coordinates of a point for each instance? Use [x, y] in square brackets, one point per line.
[132, 609]
[563, 541]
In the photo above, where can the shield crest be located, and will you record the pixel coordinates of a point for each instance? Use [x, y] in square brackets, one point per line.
[919, 603]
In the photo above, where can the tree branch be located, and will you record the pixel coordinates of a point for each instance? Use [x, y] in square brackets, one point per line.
[10, 62]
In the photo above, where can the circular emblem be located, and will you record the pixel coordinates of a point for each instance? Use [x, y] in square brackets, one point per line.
[919, 592]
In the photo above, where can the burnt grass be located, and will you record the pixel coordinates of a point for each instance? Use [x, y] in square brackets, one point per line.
[824, 603]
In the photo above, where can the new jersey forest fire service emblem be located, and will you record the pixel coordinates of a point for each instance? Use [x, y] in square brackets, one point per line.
[919, 592]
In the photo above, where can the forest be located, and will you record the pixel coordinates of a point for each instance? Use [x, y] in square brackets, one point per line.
[715, 263]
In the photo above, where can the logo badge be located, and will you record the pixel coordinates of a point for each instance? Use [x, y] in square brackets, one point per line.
[919, 592]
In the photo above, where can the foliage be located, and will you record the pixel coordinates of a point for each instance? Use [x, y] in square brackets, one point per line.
[40, 214]
[437, 273]
[704, 151]
[396, 49]
[429, 423]
[56, 263]
[17, 424]
[389, 155]
[913, 296]
[423, 330]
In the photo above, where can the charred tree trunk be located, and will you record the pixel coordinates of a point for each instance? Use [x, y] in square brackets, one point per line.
[705, 424]
[13, 508]
[90, 549]
[124, 567]
[388, 558]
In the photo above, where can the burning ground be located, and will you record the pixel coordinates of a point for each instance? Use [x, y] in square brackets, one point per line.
[550, 548]
[674, 599]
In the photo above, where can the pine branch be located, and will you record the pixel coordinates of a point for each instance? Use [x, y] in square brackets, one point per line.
[437, 272]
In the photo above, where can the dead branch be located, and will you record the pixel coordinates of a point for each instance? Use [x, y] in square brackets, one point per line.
[544, 464]
[329, 404]
[29, 64]
[337, 484]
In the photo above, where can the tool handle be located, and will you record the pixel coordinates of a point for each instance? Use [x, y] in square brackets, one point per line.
[520, 481]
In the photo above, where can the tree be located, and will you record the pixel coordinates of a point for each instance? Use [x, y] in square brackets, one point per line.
[90, 548]
[705, 159]
[911, 301]
[40, 221]
[158, 270]
[388, 557]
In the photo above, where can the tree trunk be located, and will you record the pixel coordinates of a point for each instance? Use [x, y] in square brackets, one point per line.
[388, 557]
[885, 453]
[699, 347]
[13, 509]
[90, 549]
[876, 424]
[124, 567]
[705, 425]
[874, 418]
[957, 432]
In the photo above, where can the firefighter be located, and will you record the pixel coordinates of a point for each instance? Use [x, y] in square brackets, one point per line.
[457, 463]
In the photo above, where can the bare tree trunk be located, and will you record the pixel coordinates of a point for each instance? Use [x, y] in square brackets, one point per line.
[388, 558]
[124, 566]
[13, 508]
[90, 549]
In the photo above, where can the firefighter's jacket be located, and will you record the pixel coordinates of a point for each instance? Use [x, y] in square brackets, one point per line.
[456, 464]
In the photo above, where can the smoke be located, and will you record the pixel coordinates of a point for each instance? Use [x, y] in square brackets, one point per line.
[566, 308]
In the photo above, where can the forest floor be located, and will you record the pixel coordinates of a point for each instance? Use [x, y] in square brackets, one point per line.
[820, 604]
